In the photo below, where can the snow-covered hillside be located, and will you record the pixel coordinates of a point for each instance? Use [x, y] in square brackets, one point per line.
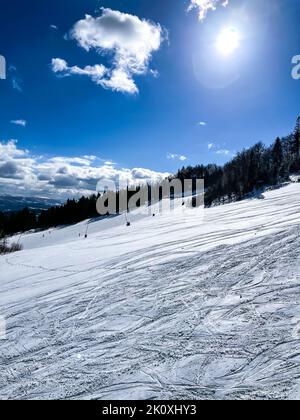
[171, 307]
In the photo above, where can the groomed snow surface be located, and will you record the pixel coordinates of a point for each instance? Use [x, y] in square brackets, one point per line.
[172, 307]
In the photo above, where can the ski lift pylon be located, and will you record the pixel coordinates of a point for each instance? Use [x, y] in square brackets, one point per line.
[128, 224]
[87, 229]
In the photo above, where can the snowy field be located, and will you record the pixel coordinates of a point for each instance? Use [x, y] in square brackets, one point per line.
[171, 307]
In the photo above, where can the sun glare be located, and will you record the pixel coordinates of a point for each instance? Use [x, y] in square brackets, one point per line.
[228, 41]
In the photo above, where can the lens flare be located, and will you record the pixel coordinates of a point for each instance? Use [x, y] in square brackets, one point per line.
[228, 41]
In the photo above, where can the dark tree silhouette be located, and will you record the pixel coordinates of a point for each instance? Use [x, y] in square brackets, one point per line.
[277, 155]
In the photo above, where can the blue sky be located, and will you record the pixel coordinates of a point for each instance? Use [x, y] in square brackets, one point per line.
[163, 78]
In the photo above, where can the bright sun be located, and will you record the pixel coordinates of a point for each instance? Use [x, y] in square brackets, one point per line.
[228, 41]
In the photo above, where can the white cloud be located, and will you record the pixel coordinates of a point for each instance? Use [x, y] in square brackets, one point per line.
[182, 158]
[120, 81]
[10, 150]
[223, 152]
[15, 164]
[90, 157]
[16, 81]
[204, 6]
[21, 123]
[22, 173]
[81, 161]
[219, 150]
[202, 123]
[17, 84]
[96, 72]
[59, 65]
[109, 163]
[131, 41]
[54, 27]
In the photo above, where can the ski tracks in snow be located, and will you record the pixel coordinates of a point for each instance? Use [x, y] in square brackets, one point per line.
[167, 309]
[213, 324]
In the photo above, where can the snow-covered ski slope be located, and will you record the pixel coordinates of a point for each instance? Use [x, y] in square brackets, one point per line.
[171, 307]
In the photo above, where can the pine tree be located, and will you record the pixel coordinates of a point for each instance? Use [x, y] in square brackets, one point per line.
[277, 155]
[296, 140]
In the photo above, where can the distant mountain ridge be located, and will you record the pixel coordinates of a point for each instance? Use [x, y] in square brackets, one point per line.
[9, 203]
